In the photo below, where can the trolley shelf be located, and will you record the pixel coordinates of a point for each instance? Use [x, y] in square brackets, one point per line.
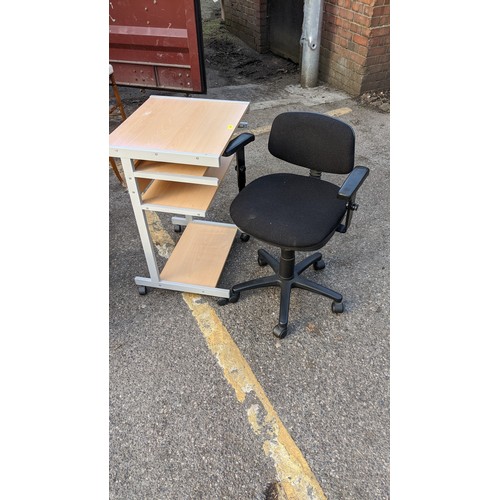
[183, 197]
[171, 150]
[200, 255]
[177, 172]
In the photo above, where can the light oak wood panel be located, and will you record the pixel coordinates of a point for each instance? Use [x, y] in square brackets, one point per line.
[200, 255]
[143, 184]
[183, 195]
[169, 168]
[179, 124]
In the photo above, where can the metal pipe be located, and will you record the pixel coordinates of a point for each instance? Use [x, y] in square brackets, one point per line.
[311, 41]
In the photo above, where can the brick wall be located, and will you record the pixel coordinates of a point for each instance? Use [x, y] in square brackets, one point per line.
[355, 45]
[377, 75]
[355, 40]
[248, 20]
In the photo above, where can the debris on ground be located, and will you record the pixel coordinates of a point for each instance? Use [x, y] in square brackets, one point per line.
[380, 99]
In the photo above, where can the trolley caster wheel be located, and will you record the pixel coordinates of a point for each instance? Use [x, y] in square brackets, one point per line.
[319, 265]
[143, 290]
[234, 297]
[280, 331]
[244, 237]
[337, 307]
[177, 228]
[261, 261]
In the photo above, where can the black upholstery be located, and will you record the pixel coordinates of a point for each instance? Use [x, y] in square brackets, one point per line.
[289, 211]
[299, 212]
[313, 140]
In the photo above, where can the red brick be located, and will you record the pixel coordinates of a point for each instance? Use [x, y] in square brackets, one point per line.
[380, 31]
[361, 50]
[328, 8]
[326, 35]
[345, 33]
[360, 30]
[343, 13]
[373, 60]
[361, 40]
[376, 77]
[379, 50]
[368, 10]
[357, 6]
[379, 41]
[380, 21]
[363, 20]
[376, 68]
[358, 58]
[344, 23]
[383, 10]
[342, 42]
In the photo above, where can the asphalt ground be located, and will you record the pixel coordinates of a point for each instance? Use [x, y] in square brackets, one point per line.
[309, 417]
[444, 321]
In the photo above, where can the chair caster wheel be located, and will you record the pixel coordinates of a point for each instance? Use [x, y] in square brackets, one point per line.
[319, 265]
[177, 228]
[337, 307]
[261, 262]
[143, 290]
[280, 331]
[233, 298]
[244, 237]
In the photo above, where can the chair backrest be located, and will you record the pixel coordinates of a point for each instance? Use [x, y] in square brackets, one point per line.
[314, 141]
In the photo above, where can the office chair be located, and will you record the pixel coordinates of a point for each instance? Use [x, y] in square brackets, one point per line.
[299, 212]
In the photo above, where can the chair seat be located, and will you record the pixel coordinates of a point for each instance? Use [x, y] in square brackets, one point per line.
[290, 211]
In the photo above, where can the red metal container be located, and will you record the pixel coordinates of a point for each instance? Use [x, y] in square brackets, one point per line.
[157, 44]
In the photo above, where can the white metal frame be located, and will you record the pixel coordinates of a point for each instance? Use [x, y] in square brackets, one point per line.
[127, 156]
[185, 287]
[185, 179]
[140, 217]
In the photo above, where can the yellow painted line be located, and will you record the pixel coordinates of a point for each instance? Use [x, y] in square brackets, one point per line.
[267, 128]
[338, 112]
[260, 130]
[292, 470]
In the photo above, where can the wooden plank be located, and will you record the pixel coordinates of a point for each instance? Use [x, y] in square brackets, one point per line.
[179, 125]
[200, 255]
[183, 195]
[168, 168]
[143, 184]
[177, 194]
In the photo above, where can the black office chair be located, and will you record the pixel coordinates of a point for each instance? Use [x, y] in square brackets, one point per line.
[299, 212]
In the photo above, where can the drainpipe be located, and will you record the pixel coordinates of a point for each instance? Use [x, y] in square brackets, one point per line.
[310, 41]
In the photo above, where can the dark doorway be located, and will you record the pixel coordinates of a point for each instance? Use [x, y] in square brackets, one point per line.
[285, 28]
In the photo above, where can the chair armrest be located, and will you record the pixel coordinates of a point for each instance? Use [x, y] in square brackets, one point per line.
[353, 182]
[237, 143]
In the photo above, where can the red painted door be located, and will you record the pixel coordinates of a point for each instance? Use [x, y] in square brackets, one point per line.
[157, 44]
